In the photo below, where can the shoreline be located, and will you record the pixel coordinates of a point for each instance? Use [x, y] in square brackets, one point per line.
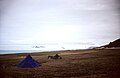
[40, 51]
[32, 51]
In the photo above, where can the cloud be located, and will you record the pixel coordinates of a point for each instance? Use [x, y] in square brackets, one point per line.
[28, 21]
[17, 41]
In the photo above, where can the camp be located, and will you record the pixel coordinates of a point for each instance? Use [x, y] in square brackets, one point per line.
[28, 62]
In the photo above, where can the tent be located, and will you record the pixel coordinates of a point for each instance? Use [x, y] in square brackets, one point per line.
[28, 62]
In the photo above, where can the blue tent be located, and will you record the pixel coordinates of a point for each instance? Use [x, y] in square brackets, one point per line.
[28, 62]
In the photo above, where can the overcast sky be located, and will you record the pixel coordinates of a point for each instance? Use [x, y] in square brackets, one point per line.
[59, 21]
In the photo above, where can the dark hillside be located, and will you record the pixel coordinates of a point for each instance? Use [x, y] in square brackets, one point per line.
[115, 43]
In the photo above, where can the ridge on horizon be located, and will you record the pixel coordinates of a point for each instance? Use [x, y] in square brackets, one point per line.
[115, 43]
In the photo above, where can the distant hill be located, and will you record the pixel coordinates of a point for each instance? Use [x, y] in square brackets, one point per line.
[115, 43]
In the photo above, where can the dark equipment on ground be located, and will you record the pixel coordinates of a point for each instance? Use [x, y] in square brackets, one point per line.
[55, 57]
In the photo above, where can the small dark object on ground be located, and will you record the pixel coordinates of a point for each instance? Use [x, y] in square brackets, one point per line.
[55, 57]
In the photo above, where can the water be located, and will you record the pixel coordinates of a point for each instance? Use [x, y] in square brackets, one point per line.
[10, 49]
[20, 51]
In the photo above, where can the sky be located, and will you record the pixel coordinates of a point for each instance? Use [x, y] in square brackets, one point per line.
[59, 21]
